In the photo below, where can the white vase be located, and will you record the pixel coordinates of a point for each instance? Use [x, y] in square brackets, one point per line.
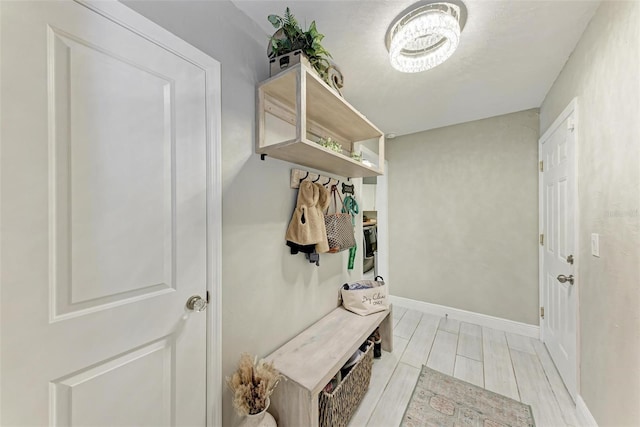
[262, 419]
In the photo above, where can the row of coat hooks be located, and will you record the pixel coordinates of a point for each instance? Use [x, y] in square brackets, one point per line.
[298, 175]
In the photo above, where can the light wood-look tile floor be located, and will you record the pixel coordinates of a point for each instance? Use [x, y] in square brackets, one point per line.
[512, 365]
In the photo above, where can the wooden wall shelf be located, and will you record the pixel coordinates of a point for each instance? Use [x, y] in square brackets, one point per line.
[295, 108]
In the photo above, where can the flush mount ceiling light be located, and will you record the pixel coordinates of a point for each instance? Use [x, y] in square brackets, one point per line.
[425, 35]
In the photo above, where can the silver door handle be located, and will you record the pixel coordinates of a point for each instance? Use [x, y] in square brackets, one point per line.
[562, 279]
[196, 303]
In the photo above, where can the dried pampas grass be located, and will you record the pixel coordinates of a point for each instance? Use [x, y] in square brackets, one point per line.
[252, 384]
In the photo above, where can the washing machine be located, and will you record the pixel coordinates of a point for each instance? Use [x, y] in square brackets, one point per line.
[370, 244]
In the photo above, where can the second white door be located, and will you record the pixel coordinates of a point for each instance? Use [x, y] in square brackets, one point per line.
[558, 258]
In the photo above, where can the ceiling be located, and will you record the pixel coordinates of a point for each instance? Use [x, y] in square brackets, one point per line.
[510, 53]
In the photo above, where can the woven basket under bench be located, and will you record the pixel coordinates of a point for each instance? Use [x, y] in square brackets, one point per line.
[337, 407]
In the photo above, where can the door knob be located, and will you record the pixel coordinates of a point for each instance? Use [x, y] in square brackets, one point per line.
[196, 303]
[562, 279]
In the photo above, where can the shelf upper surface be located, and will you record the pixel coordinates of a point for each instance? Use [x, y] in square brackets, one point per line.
[324, 105]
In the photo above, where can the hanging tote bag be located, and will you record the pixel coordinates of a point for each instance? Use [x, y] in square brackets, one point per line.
[339, 227]
[365, 296]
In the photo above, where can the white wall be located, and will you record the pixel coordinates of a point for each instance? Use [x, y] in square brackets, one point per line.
[604, 73]
[269, 296]
[463, 216]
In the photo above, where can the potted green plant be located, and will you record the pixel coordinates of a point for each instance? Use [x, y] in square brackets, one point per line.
[290, 37]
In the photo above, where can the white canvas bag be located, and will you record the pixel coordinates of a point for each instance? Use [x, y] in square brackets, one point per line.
[372, 298]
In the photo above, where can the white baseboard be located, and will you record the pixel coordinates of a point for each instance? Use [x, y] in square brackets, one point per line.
[584, 415]
[505, 325]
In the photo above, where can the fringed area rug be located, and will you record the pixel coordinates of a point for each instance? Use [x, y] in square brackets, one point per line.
[441, 400]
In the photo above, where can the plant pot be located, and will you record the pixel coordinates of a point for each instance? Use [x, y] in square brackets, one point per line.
[288, 60]
[262, 419]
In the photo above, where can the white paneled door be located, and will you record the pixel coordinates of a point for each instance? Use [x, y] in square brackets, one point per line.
[558, 257]
[106, 219]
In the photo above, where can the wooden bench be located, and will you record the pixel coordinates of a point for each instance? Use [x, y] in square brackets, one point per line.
[313, 357]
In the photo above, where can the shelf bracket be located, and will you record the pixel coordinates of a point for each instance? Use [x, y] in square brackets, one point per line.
[263, 156]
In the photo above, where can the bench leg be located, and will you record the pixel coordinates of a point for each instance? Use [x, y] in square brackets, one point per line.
[386, 331]
[294, 406]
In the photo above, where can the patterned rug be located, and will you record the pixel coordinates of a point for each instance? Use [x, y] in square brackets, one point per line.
[440, 400]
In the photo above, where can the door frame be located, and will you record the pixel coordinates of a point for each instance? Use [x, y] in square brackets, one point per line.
[382, 205]
[572, 108]
[142, 26]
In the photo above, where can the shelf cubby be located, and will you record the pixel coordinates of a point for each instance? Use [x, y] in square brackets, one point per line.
[296, 108]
